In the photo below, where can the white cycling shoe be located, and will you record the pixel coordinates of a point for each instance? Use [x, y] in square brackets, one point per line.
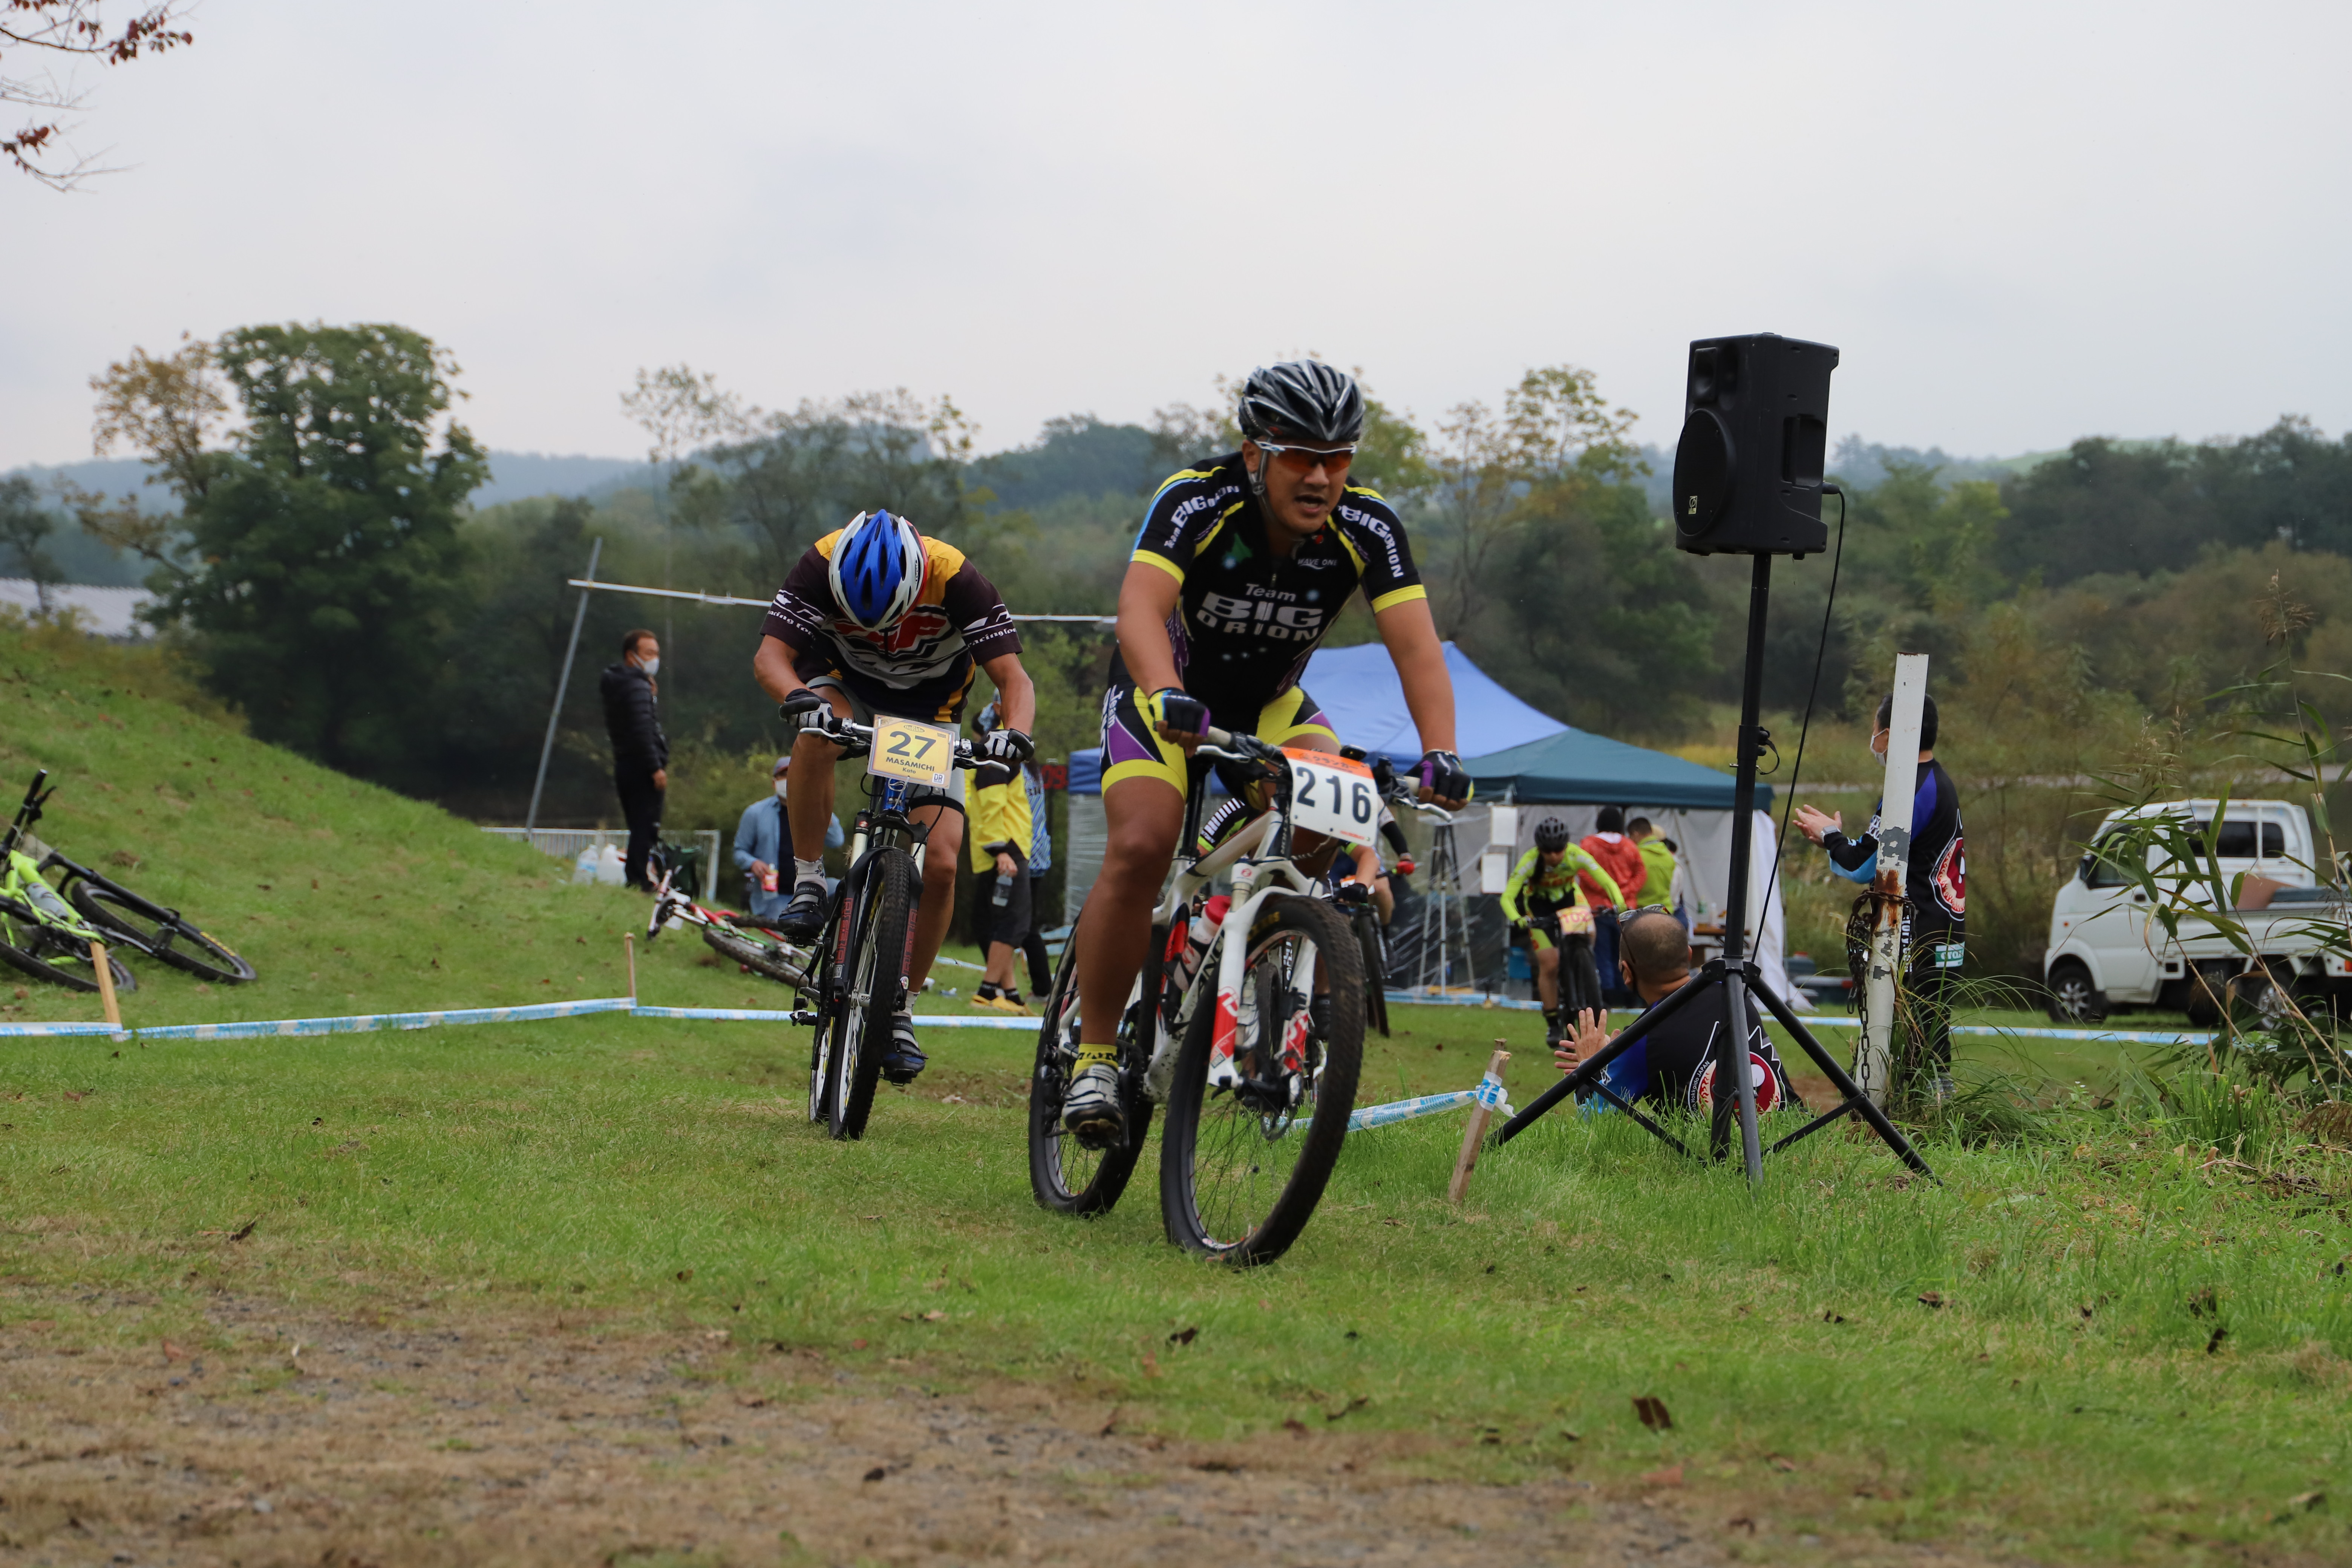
[1090, 1111]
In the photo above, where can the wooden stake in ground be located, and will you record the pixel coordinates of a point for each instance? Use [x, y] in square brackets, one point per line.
[629, 947]
[105, 982]
[1474, 1134]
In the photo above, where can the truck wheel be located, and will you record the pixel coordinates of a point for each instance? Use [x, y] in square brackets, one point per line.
[2258, 998]
[2072, 998]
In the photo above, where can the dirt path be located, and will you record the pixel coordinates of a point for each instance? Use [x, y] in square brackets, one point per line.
[424, 1443]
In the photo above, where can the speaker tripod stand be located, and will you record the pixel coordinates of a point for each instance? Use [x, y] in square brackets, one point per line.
[1727, 982]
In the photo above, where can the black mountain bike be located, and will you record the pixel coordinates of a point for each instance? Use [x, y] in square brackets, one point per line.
[858, 980]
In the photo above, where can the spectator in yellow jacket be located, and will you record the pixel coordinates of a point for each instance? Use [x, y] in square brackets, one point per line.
[1001, 827]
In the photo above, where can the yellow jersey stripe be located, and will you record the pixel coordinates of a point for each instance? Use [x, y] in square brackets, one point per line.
[1161, 561]
[1398, 597]
[1177, 478]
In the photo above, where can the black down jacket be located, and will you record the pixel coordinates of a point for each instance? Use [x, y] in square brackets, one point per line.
[631, 719]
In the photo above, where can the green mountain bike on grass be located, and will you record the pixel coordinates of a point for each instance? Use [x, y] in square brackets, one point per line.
[99, 907]
[40, 934]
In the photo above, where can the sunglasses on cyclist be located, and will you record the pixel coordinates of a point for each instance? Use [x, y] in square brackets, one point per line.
[1307, 460]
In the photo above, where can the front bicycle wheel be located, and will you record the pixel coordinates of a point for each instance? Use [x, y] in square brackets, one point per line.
[827, 966]
[1242, 1162]
[1067, 1176]
[881, 950]
[1376, 979]
[158, 933]
[759, 957]
[60, 961]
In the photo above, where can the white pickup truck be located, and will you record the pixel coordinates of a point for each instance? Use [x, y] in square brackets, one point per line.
[2106, 954]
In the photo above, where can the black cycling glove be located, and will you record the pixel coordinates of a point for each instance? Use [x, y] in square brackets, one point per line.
[1186, 714]
[1441, 774]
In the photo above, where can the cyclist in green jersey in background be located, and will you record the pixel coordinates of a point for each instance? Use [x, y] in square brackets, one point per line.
[1541, 885]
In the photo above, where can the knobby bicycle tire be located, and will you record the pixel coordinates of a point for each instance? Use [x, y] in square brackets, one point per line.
[827, 980]
[876, 978]
[1183, 1164]
[751, 955]
[32, 961]
[1376, 980]
[157, 932]
[1067, 1176]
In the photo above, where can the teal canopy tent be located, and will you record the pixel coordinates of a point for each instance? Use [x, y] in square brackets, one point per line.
[1575, 767]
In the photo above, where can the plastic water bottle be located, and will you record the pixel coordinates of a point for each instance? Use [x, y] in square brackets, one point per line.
[1185, 960]
[1003, 890]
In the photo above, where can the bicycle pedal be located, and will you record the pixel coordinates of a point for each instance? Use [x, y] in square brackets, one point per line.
[802, 1015]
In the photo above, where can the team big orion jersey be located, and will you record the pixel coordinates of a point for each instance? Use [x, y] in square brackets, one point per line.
[958, 618]
[1246, 619]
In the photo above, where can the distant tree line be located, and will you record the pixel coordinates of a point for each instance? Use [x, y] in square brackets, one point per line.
[326, 573]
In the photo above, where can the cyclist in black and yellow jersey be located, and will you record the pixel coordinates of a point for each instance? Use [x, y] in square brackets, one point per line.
[1541, 885]
[1242, 564]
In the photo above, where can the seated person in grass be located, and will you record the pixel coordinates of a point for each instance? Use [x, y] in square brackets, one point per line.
[1674, 1064]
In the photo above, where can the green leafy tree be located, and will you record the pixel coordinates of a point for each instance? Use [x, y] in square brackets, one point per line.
[167, 410]
[1592, 615]
[326, 543]
[25, 528]
[814, 467]
[1555, 428]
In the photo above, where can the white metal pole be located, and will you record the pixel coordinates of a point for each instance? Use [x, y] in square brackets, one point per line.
[562, 684]
[1873, 1055]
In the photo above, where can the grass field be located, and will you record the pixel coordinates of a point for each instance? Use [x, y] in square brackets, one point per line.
[2108, 1341]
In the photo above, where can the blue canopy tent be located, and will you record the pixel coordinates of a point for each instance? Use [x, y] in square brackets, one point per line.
[1360, 694]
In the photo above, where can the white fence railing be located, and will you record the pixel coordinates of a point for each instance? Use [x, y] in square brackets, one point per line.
[566, 842]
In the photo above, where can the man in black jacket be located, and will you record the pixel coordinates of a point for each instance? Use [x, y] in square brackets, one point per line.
[640, 749]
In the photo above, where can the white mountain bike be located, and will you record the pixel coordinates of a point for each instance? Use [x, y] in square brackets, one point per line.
[1253, 1034]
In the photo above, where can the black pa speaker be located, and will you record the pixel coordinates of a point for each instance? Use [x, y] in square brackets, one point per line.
[1748, 470]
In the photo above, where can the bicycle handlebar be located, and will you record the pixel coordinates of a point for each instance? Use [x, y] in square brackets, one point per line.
[834, 727]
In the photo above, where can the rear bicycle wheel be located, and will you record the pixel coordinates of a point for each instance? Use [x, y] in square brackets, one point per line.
[1376, 979]
[1242, 1165]
[158, 933]
[1066, 1176]
[881, 947]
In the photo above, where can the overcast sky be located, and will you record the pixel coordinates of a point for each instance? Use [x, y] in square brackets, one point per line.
[2021, 222]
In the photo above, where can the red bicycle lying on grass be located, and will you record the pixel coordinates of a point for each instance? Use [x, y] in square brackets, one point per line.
[758, 950]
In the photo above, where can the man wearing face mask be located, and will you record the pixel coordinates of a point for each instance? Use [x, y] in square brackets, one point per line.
[640, 749]
[763, 843]
[1935, 884]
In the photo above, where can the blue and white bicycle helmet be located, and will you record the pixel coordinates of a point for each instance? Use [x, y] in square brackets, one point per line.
[876, 569]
